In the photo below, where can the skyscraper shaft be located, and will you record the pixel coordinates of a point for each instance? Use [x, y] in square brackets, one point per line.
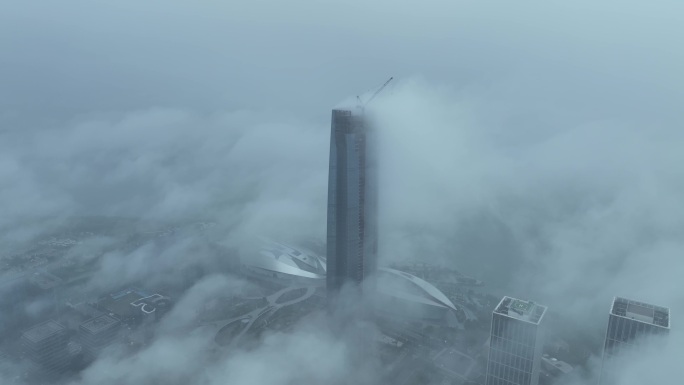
[515, 344]
[352, 235]
[629, 323]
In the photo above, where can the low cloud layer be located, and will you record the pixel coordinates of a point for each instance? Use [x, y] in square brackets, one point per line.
[587, 210]
[570, 219]
[535, 146]
[250, 170]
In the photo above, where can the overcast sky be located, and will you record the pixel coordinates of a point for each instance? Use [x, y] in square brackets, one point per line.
[579, 58]
[535, 144]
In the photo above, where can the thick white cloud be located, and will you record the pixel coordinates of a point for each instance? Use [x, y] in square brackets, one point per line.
[168, 164]
[538, 147]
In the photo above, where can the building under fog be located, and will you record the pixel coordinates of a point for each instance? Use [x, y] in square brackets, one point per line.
[134, 306]
[515, 345]
[46, 346]
[284, 264]
[98, 333]
[629, 322]
[555, 367]
[399, 295]
[352, 233]
[403, 296]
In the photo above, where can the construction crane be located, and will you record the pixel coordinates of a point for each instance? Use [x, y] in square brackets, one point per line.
[362, 104]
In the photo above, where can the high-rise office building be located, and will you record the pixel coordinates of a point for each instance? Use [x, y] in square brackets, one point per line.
[97, 333]
[629, 321]
[352, 239]
[515, 345]
[46, 346]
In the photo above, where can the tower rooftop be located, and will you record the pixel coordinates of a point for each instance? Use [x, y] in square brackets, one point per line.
[99, 324]
[527, 311]
[43, 331]
[640, 311]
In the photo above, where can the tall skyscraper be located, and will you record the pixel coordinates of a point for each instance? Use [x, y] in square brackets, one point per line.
[352, 240]
[628, 322]
[515, 345]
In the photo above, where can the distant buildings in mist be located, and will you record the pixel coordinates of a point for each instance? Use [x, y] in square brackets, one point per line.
[406, 306]
[45, 345]
[516, 340]
[98, 333]
[55, 347]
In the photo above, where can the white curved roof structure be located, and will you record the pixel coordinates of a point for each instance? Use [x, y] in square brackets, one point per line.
[284, 259]
[281, 258]
[406, 286]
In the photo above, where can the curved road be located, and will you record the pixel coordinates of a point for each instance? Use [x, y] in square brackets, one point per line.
[262, 313]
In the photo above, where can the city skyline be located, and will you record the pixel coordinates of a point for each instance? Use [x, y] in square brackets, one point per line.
[530, 150]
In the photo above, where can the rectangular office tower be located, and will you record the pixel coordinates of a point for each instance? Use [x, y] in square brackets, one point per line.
[352, 239]
[515, 345]
[628, 322]
[46, 346]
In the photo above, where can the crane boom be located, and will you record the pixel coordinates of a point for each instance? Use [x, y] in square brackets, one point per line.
[363, 104]
[379, 90]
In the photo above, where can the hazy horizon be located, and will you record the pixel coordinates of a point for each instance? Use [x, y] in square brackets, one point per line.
[536, 146]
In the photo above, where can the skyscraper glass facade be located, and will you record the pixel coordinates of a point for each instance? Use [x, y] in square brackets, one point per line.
[515, 345]
[629, 322]
[352, 202]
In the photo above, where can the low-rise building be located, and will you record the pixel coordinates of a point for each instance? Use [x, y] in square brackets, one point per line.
[97, 333]
[554, 366]
[46, 346]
